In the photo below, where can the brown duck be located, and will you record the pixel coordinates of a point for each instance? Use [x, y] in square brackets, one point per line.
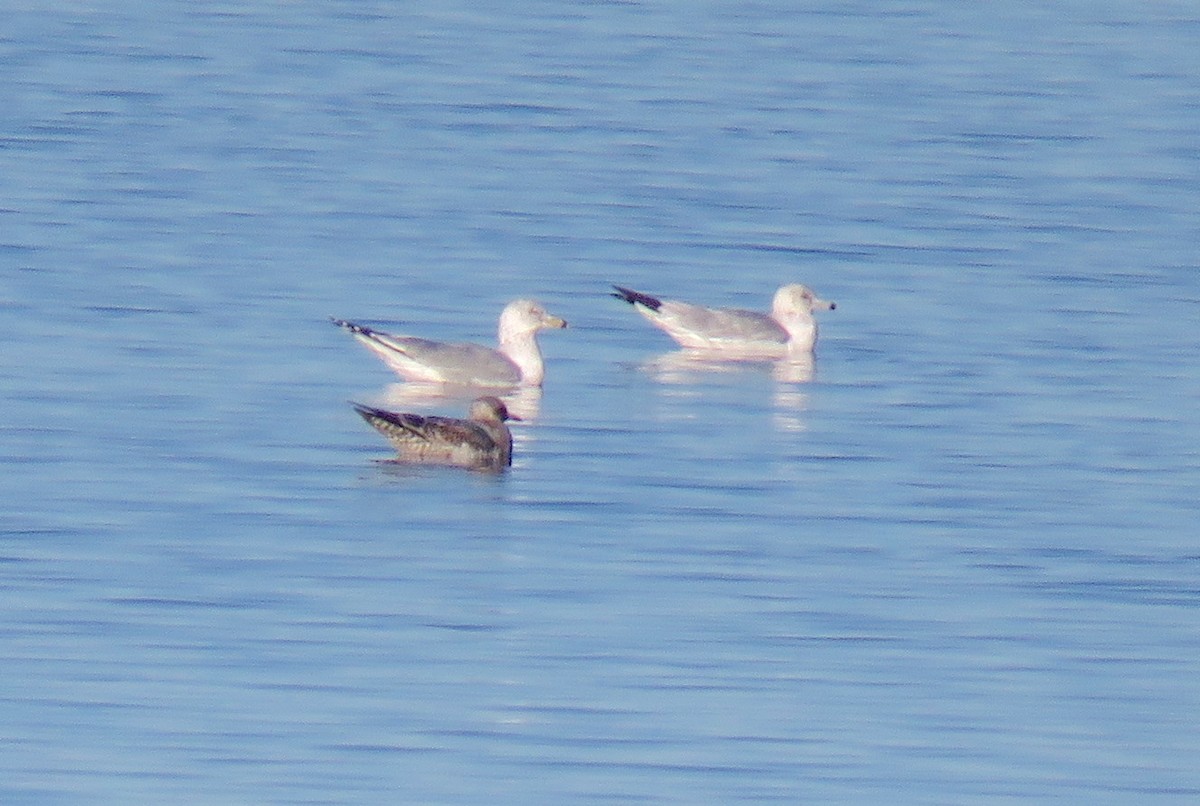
[480, 442]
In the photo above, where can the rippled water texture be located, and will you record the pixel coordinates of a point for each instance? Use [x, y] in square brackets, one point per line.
[952, 561]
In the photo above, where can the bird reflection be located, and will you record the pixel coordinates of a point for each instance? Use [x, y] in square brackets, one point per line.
[525, 401]
[691, 366]
[688, 369]
[790, 403]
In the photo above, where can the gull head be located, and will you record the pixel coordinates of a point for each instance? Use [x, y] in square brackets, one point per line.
[798, 300]
[525, 317]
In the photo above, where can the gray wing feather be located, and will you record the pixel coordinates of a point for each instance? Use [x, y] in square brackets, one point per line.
[458, 362]
[721, 324]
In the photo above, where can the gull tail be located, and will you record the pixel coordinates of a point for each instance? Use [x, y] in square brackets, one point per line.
[637, 298]
[352, 327]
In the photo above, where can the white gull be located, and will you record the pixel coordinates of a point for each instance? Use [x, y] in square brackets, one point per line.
[787, 330]
[516, 361]
[480, 442]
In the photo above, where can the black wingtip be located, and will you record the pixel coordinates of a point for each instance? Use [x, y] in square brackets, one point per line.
[637, 298]
[351, 327]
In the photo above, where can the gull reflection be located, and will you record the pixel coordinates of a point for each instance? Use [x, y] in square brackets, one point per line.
[689, 369]
[524, 401]
[686, 367]
[691, 366]
[794, 369]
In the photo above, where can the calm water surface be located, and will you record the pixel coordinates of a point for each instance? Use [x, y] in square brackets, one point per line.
[955, 562]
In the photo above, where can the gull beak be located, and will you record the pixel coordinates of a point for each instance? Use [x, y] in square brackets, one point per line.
[554, 322]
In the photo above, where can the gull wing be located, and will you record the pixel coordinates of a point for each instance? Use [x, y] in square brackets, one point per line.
[697, 326]
[420, 359]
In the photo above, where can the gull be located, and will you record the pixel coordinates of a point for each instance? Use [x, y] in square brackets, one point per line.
[480, 442]
[788, 329]
[516, 362]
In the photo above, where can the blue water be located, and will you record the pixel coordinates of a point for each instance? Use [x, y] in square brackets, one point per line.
[959, 564]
